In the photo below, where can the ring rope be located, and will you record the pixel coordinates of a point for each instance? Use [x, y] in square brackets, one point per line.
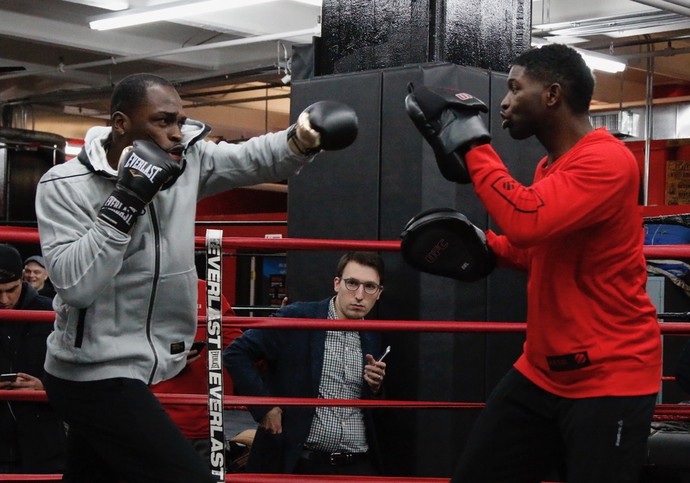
[667, 328]
[30, 235]
[262, 478]
[661, 412]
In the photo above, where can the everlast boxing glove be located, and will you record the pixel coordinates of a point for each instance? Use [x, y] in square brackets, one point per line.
[325, 125]
[449, 120]
[143, 170]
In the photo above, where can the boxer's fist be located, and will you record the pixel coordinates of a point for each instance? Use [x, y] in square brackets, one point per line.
[450, 122]
[325, 125]
[143, 170]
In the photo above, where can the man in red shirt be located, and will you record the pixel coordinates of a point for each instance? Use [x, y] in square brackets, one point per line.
[582, 394]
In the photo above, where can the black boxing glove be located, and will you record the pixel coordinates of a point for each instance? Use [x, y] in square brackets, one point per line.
[325, 125]
[450, 122]
[143, 170]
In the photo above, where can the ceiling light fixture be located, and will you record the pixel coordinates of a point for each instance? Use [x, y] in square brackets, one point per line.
[595, 60]
[106, 4]
[165, 11]
[316, 3]
[602, 62]
[677, 6]
[636, 23]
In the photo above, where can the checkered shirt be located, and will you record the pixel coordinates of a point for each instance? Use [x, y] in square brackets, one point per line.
[336, 429]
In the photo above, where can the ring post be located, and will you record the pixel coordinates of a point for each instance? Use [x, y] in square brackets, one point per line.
[214, 345]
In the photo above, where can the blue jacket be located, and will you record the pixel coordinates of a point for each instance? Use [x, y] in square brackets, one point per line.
[294, 359]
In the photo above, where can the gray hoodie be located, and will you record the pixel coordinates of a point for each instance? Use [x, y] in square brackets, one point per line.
[126, 304]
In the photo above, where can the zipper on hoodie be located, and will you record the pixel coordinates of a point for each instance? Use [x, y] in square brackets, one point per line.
[154, 287]
[81, 321]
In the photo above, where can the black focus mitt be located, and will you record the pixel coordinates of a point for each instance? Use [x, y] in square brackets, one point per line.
[444, 242]
[450, 121]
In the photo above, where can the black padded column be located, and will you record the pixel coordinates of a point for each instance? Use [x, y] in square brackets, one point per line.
[369, 191]
[337, 196]
[363, 34]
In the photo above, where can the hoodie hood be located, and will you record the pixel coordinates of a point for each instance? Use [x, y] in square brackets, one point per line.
[193, 131]
[93, 153]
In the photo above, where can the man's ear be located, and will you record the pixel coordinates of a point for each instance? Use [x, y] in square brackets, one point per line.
[120, 122]
[553, 94]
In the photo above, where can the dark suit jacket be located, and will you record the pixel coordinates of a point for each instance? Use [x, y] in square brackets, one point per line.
[294, 359]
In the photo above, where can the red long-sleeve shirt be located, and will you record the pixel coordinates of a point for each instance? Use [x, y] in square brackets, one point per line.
[577, 230]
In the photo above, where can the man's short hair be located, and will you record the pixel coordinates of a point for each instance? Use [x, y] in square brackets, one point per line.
[368, 259]
[131, 91]
[558, 63]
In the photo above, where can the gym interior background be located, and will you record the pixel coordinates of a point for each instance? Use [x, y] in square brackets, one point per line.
[249, 70]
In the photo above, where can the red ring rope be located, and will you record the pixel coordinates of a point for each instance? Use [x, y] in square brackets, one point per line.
[668, 328]
[30, 235]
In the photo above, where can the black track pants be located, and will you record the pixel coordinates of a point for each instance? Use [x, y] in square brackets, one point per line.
[525, 433]
[119, 431]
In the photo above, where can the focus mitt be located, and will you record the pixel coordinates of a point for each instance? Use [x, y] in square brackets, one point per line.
[450, 121]
[444, 242]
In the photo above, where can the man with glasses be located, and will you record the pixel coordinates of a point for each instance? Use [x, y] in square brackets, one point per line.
[329, 364]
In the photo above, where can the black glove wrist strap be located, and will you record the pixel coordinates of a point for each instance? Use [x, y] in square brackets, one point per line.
[121, 210]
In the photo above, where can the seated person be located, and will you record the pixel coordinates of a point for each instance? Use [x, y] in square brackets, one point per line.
[330, 364]
[32, 437]
[36, 273]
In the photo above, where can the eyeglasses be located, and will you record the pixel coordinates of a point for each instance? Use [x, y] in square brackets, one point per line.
[352, 284]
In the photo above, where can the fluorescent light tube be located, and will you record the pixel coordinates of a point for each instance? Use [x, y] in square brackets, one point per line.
[106, 4]
[167, 11]
[597, 61]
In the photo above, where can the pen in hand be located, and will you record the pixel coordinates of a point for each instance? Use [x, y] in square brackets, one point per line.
[385, 353]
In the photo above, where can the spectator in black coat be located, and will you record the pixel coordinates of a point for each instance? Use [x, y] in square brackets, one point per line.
[32, 437]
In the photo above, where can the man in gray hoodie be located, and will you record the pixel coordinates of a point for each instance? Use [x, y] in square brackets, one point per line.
[117, 232]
